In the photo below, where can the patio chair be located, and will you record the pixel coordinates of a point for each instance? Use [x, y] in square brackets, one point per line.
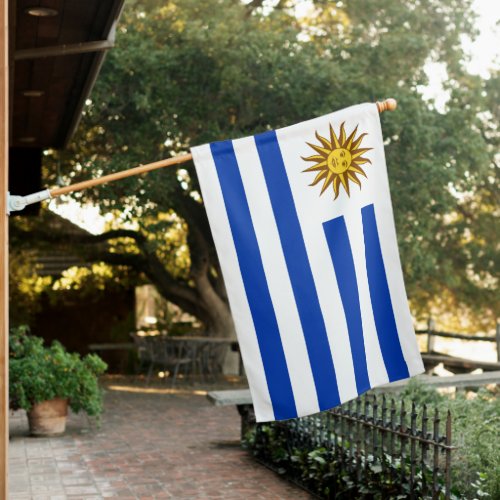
[213, 360]
[144, 353]
[158, 351]
[174, 356]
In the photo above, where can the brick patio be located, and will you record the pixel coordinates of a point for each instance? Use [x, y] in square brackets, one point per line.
[150, 445]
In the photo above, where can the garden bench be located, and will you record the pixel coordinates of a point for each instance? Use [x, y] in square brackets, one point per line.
[243, 401]
[240, 398]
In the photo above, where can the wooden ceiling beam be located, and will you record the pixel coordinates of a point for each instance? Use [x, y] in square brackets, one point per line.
[64, 50]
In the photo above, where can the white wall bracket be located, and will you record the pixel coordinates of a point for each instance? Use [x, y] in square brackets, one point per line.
[16, 203]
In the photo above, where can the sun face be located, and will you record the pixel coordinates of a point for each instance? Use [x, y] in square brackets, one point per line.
[338, 161]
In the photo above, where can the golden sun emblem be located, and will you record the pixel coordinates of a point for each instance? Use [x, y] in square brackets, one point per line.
[338, 160]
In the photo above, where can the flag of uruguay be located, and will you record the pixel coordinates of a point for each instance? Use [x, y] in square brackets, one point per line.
[303, 225]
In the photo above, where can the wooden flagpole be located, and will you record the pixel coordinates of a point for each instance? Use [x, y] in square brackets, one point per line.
[121, 175]
[387, 105]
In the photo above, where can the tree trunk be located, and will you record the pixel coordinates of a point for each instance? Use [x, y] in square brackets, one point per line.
[221, 321]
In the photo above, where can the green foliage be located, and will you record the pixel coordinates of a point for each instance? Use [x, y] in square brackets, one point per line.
[421, 394]
[333, 472]
[476, 434]
[38, 373]
[189, 72]
[25, 286]
[29, 292]
[475, 465]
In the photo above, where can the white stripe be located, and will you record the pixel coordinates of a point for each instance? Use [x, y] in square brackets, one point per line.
[389, 246]
[322, 268]
[221, 230]
[278, 280]
[377, 372]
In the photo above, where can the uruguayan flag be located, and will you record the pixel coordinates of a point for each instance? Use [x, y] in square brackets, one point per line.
[303, 225]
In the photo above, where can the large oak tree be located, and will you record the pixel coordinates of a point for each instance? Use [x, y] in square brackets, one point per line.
[186, 72]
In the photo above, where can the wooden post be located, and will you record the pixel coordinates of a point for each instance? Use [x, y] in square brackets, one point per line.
[4, 248]
[431, 326]
[498, 341]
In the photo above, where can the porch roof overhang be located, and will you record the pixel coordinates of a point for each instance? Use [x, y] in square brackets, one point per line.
[57, 48]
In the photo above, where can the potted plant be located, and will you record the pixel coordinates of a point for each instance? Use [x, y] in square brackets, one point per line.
[45, 380]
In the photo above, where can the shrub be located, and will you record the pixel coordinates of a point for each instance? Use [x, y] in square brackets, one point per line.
[475, 434]
[475, 465]
[38, 373]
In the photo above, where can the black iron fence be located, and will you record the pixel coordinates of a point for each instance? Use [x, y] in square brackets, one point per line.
[369, 447]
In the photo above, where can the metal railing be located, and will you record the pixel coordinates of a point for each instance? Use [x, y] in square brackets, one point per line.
[371, 440]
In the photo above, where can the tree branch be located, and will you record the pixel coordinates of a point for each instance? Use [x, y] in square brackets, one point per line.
[135, 261]
[117, 233]
[182, 295]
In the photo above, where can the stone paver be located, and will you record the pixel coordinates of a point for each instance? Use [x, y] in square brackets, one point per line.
[149, 446]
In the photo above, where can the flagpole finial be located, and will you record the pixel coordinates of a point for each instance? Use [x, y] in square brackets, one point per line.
[387, 105]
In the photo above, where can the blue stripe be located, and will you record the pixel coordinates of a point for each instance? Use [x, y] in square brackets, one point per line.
[343, 263]
[299, 270]
[254, 279]
[383, 312]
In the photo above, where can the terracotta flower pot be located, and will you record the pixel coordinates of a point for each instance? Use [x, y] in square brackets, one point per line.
[48, 417]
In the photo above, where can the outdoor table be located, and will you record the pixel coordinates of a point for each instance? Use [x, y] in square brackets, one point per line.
[200, 355]
[201, 350]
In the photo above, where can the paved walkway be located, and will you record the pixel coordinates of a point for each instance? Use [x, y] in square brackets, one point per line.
[150, 445]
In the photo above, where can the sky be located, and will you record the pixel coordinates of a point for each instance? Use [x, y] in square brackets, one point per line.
[486, 47]
[484, 52]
